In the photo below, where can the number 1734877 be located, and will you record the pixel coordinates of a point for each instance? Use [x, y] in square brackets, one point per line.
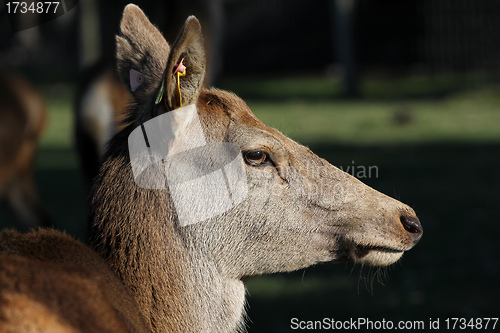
[471, 324]
[34, 7]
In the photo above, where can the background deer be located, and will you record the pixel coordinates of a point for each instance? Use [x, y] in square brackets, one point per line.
[22, 120]
[99, 111]
[299, 210]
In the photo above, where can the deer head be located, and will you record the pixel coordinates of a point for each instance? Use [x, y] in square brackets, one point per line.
[298, 210]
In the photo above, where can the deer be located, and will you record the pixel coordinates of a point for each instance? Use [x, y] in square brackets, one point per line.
[99, 111]
[22, 121]
[149, 271]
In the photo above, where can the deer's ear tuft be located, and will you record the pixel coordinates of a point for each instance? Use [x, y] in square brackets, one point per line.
[141, 54]
[188, 51]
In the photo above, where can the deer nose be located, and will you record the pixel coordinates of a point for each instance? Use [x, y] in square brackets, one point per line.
[412, 226]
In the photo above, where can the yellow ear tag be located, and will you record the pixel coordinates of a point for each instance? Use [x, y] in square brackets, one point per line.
[179, 74]
[179, 71]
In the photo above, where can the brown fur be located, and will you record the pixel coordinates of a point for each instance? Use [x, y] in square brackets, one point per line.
[50, 281]
[22, 120]
[300, 210]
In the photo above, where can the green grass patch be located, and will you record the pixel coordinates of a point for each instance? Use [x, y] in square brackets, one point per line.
[467, 117]
[59, 131]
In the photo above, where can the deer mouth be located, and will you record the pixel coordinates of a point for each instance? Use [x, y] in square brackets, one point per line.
[371, 255]
[377, 255]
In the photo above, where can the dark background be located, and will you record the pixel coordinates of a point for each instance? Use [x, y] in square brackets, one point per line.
[261, 37]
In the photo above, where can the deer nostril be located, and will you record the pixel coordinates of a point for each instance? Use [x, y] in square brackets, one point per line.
[413, 227]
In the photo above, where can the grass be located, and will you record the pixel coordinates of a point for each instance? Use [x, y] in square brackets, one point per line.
[373, 87]
[458, 118]
[440, 154]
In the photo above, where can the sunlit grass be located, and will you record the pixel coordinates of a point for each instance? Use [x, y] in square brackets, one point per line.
[59, 130]
[466, 117]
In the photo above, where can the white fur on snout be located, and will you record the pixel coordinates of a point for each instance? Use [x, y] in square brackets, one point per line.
[380, 258]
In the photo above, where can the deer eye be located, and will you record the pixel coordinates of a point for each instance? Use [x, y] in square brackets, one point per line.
[257, 158]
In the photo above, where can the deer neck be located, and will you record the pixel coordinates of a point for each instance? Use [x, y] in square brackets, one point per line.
[178, 288]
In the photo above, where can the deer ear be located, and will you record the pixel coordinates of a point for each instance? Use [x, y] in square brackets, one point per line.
[189, 51]
[141, 54]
